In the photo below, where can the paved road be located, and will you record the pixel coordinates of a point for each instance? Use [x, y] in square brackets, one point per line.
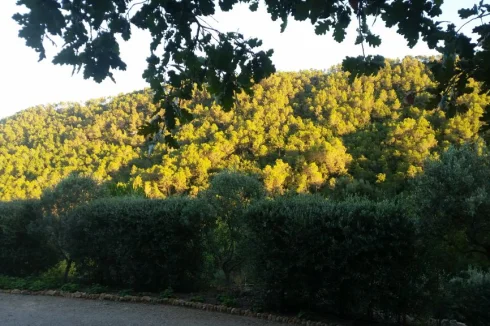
[25, 310]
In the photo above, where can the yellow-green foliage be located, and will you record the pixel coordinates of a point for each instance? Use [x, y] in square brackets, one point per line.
[307, 131]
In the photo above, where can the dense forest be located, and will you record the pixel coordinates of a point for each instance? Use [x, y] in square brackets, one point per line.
[319, 193]
[309, 131]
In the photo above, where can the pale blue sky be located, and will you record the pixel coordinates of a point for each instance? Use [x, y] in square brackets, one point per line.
[24, 82]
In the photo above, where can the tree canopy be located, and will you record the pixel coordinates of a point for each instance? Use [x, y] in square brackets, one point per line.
[302, 132]
[452, 195]
[186, 50]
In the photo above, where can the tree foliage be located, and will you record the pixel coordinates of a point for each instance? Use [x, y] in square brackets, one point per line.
[353, 257]
[57, 202]
[307, 132]
[469, 296]
[71, 192]
[229, 194]
[186, 50]
[24, 247]
[138, 243]
[453, 199]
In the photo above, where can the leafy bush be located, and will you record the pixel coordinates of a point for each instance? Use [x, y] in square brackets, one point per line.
[280, 232]
[138, 243]
[38, 285]
[70, 287]
[228, 195]
[57, 273]
[10, 283]
[97, 288]
[125, 292]
[28, 283]
[352, 257]
[469, 298]
[226, 300]
[24, 247]
[197, 298]
[168, 293]
[58, 201]
[452, 198]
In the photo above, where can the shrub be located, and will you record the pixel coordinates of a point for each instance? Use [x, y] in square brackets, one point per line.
[56, 273]
[38, 285]
[58, 201]
[10, 283]
[379, 261]
[228, 195]
[452, 198]
[281, 234]
[197, 298]
[470, 297]
[24, 247]
[97, 288]
[70, 287]
[28, 283]
[125, 292]
[226, 300]
[138, 243]
[167, 294]
[352, 257]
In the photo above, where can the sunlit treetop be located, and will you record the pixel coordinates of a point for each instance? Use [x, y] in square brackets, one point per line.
[186, 50]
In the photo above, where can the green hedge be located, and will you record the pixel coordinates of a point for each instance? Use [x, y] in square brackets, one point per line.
[24, 248]
[357, 257]
[469, 298]
[138, 243]
[354, 257]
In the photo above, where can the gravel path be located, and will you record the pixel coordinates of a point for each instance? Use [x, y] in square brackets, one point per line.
[25, 310]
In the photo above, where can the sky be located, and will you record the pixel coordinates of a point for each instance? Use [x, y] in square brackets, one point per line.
[25, 82]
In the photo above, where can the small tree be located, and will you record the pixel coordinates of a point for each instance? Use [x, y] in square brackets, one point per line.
[229, 194]
[58, 201]
[452, 198]
[24, 248]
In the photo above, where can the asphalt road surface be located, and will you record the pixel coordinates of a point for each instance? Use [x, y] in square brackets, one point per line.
[25, 310]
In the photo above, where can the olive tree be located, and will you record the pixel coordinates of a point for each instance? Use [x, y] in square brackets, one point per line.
[452, 197]
[229, 194]
[57, 202]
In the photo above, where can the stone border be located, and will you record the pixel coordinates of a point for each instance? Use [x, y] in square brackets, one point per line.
[173, 302]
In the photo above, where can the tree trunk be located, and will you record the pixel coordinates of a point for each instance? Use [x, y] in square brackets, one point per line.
[227, 277]
[67, 270]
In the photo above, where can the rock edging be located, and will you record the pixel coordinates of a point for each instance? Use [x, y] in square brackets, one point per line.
[173, 302]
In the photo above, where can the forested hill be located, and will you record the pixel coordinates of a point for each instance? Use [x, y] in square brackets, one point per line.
[305, 131]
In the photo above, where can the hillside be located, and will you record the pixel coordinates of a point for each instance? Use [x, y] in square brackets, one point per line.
[305, 131]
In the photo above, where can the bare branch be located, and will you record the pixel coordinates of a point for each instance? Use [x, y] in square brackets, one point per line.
[473, 19]
[133, 5]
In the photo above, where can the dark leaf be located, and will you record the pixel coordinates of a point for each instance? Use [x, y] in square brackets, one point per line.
[466, 13]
